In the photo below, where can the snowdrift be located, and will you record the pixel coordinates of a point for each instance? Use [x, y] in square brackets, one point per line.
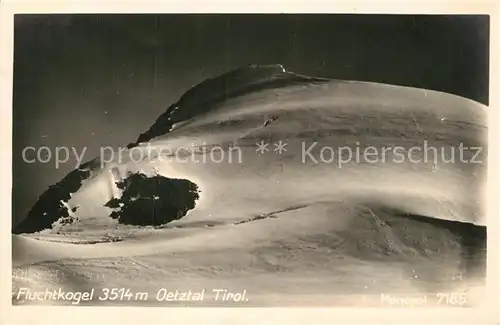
[294, 210]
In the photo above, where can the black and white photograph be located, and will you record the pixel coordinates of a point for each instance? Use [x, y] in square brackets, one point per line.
[250, 160]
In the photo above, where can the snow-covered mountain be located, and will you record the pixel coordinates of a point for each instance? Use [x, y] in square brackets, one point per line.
[288, 209]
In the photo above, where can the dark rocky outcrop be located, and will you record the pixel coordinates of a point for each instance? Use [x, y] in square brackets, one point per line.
[50, 207]
[153, 200]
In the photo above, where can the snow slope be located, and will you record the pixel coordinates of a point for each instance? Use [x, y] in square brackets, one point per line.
[277, 224]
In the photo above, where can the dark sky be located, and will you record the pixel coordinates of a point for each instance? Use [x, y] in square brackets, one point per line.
[98, 80]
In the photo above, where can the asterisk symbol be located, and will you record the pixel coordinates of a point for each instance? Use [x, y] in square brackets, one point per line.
[262, 147]
[280, 147]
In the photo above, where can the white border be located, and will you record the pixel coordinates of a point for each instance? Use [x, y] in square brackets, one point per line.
[488, 314]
